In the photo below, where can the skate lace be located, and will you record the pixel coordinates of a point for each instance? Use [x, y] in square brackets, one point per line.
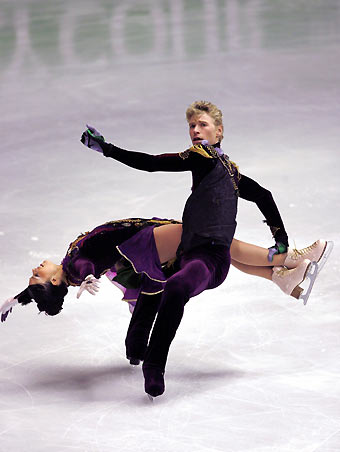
[282, 272]
[297, 253]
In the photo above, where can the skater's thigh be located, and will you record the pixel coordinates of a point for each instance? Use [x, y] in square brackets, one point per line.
[193, 277]
[167, 239]
[210, 265]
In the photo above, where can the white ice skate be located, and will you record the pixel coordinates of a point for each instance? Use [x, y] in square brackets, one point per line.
[290, 280]
[325, 255]
[309, 281]
[318, 252]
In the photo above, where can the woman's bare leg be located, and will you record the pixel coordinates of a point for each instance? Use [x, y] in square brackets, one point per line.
[167, 238]
[249, 254]
[263, 272]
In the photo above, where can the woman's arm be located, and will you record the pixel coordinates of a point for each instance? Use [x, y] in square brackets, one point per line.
[77, 269]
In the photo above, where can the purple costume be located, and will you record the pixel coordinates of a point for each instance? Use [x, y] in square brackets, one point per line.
[124, 250]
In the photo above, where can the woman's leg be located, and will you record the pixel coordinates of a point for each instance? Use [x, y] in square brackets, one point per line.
[249, 254]
[167, 239]
[287, 280]
[263, 272]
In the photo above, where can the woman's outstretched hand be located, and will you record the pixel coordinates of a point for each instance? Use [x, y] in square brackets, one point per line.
[91, 284]
[92, 139]
[7, 307]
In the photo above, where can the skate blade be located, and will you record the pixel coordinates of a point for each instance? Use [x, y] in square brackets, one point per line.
[325, 255]
[310, 277]
[150, 397]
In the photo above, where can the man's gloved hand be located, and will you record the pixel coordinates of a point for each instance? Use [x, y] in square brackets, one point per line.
[91, 284]
[278, 248]
[92, 139]
[7, 307]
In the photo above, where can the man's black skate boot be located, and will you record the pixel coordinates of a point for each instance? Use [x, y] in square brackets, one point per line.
[137, 336]
[154, 380]
[133, 361]
[135, 354]
[135, 349]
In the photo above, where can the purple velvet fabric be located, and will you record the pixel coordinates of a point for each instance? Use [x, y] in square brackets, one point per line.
[201, 268]
[140, 250]
[95, 252]
[98, 251]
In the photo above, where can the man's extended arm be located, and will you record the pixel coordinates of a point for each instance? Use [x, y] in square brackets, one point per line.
[138, 160]
[252, 191]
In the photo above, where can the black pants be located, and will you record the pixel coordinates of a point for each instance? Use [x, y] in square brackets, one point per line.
[141, 322]
[202, 268]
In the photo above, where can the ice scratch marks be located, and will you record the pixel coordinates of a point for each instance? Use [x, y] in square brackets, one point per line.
[77, 425]
[327, 440]
[34, 358]
[18, 399]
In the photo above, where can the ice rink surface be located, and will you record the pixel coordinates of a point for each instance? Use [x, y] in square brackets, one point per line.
[250, 370]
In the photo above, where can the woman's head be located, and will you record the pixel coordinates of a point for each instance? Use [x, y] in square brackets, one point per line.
[47, 271]
[47, 287]
[49, 297]
[205, 122]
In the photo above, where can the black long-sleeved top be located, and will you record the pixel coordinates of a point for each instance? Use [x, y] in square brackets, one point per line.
[200, 166]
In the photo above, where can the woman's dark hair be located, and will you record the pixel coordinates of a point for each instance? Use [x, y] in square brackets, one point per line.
[49, 298]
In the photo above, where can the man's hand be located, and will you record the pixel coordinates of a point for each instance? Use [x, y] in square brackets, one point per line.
[92, 139]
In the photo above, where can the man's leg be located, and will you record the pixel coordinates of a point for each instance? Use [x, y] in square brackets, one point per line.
[140, 326]
[200, 270]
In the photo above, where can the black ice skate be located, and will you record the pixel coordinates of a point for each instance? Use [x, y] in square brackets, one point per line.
[154, 380]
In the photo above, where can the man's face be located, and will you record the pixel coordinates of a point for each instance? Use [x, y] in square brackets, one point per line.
[202, 127]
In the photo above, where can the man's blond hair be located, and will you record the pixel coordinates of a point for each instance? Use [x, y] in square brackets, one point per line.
[202, 106]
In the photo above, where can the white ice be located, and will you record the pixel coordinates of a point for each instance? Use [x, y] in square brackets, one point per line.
[250, 370]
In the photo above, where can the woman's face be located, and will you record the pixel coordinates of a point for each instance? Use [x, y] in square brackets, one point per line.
[44, 273]
[202, 127]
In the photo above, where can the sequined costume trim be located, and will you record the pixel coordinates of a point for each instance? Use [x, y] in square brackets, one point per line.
[211, 152]
[138, 222]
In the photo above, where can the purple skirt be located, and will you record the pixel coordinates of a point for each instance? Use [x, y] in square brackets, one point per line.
[140, 250]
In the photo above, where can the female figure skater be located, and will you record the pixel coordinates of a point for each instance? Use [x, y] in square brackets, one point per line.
[139, 254]
[209, 222]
